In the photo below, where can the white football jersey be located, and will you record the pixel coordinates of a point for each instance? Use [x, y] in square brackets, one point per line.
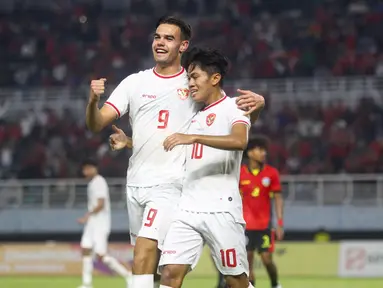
[212, 175]
[158, 106]
[98, 188]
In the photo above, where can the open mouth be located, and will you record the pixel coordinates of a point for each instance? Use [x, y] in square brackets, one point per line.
[161, 51]
[193, 92]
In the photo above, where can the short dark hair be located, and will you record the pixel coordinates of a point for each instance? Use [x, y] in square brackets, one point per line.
[186, 30]
[259, 141]
[209, 60]
[90, 162]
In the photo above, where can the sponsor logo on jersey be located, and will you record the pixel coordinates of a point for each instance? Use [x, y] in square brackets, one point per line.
[210, 119]
[149, 96]
[266, 181]
[245, 182]
[183, 93]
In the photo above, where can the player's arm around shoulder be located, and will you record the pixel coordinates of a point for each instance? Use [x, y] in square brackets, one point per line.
[250, 102]
[235, 141]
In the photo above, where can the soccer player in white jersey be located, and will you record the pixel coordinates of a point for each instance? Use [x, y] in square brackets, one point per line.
[210, 209]
[97, 226]
[158, 103]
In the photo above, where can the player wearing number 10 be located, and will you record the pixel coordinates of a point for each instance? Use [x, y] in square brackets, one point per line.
[210, 208]
[158, 103]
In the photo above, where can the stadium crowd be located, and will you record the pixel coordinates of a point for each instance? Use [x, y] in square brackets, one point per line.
[306, 139]
[71, 42]
[74, 41]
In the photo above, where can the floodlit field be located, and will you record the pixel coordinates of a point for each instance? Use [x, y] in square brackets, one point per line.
[106, 282]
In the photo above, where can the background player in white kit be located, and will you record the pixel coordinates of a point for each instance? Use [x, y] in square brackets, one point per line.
[97, 226]
[210, 208]
[159, 105]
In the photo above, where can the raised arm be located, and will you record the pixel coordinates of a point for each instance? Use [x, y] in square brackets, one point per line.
[97, 119]
[116, 106]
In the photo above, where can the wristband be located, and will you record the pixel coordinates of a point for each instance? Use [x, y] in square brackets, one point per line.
[280, 222]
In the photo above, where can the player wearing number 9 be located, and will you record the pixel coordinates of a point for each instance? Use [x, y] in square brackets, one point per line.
[210, 209]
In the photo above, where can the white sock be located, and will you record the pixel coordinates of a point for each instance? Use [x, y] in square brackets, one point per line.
[143, 281]
[87, 269]
[163, 286]
[116, 266]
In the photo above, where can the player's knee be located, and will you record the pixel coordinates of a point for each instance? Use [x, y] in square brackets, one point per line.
[237, 280]
[86, 251]
[171, 276]
[145, 256]
[266, 259]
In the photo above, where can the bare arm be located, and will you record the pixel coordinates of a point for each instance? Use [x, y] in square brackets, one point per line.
[236, 140]
[278, 201]
[255, 115]
[97, 119]
[99, 207]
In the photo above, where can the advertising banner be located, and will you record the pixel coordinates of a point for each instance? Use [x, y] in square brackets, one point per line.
[292, 258]
[53, 259]
[361, 259]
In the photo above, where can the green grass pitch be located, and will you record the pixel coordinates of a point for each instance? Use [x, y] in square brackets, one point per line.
[191, 282]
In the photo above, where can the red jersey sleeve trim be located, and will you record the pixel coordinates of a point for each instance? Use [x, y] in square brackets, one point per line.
[114, 107]
[240, 122]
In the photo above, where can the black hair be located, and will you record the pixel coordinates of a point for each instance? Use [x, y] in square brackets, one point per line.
[186, 30]
[259, 141]
[90, 162]
[209, 60]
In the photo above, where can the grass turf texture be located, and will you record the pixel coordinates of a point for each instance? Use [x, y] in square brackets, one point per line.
[191, 282]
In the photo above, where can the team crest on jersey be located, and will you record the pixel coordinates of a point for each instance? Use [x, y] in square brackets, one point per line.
[266, 181]
[210, 119]
[183, 93]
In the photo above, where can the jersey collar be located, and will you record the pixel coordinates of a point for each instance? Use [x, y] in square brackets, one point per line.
[168, 76]
[214, 103]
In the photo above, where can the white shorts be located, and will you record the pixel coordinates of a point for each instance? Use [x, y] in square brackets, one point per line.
[151, 210]
[95, 238]
[225, 237]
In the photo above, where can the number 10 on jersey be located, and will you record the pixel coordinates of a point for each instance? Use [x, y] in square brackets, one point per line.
[197, 151]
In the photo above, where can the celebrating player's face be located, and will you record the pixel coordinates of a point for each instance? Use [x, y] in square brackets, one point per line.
[201, 84]
[167, 45]
[258, 154]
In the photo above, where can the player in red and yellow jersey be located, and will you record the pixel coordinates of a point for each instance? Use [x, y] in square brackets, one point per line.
[259, 184]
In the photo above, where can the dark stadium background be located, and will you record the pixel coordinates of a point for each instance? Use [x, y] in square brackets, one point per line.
[319, 64]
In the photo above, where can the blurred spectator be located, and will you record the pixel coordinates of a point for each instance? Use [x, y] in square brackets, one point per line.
[73, 41]
[306, 139]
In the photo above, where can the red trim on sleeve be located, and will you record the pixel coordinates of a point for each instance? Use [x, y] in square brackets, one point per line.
[240, 121]
[115, 108]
